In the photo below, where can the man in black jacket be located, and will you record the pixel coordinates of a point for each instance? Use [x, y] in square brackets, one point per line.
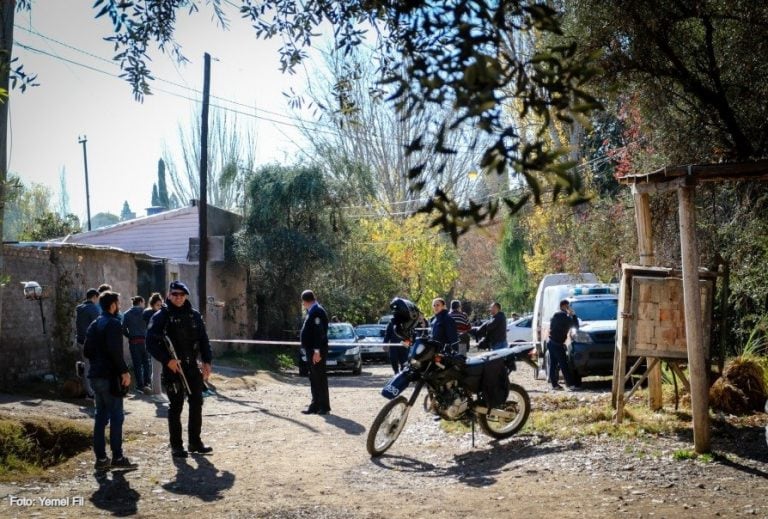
[110, 379]
[561, 323]
[184, 328]
[494, 330]
[314, 340]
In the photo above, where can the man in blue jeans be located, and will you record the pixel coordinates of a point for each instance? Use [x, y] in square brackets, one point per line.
[110, 380]
[561, 323]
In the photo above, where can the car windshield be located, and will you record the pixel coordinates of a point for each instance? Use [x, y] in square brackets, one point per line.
[596, 309]
[364, 331]
[340, 331]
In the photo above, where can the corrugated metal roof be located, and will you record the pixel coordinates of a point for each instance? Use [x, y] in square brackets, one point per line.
[164, 235]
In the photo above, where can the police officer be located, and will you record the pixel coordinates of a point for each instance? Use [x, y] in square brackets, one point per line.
[559, 326]
[314, 340]
[184, 327]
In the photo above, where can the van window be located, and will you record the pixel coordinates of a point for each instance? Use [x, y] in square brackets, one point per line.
[596, 309]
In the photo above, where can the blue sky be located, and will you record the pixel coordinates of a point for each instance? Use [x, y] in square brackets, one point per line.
[79, 94]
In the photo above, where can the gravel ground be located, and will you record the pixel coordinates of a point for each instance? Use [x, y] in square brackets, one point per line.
[272, 461]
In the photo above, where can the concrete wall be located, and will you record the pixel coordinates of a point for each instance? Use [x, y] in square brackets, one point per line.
[65, 272]
[227, 317]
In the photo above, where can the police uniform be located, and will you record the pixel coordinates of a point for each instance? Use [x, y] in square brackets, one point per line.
[185, 329]
[314, 336]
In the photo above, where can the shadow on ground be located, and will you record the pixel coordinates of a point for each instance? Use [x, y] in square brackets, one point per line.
[480, 467]
[198, 477]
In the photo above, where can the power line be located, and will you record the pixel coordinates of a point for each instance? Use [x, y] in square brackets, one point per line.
[320, 127]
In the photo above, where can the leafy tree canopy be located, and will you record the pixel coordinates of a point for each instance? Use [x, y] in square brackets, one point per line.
[50, 225]
[288, 234]
[694, 68]
[103, 219]
[424, 263]
[467, 55]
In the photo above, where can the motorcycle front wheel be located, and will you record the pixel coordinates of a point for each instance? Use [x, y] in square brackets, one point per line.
[387, 426]
[516, 410]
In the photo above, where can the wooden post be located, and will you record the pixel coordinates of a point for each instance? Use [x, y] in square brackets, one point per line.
[620, 353]
[693, 319]
[647, 259]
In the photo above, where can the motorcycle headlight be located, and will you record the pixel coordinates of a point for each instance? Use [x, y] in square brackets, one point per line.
[582, 337]
[353, 351]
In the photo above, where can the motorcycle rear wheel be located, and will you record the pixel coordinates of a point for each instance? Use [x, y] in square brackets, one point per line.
[387, 426]
[519, 403]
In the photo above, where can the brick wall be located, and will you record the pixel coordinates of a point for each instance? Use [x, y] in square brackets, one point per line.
[65, 272]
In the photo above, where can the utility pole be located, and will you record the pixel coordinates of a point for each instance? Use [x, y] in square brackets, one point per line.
[202, 259]
[82, 140]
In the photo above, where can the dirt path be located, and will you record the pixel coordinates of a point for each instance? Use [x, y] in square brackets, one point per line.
[272, 461]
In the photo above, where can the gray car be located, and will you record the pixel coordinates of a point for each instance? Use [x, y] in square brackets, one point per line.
[343, 351]
[370, 339]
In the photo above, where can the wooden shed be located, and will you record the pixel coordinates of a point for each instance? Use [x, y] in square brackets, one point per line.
[683, 180]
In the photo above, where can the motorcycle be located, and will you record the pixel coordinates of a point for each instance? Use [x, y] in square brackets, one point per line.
[458, 388]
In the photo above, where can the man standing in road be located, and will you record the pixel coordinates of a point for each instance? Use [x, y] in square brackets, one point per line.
[443, 327]
[85, 313]
[462, 325]
[110, 380]
[184, 328]
[495, 329]
[561, 323]
[314, 340]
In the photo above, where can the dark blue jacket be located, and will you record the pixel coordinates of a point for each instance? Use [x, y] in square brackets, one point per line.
[314, 331]
[389, 334]
[85, 313]
[134, 324]
[444, 328]
[185, 326]
[105, 341]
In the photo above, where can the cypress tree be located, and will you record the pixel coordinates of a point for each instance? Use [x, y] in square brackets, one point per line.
[162, 188]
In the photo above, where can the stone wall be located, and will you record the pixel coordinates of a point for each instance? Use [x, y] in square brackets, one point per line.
[65, 272]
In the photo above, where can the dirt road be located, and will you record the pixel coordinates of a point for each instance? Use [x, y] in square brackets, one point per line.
[272, 461]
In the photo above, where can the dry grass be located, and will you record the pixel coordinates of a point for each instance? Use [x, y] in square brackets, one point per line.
[568, 417]
[741, 389]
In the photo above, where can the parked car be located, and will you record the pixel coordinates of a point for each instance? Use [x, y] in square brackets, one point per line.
[370, 339]
[343, 351]
[520, 330]
[384, 319]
